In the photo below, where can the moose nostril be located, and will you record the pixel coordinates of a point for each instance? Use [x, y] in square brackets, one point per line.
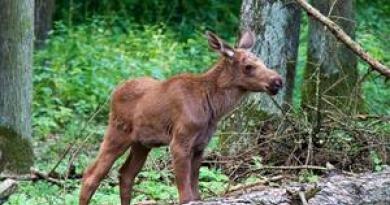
[277, 83]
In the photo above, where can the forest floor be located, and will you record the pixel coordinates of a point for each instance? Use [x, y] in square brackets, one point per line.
[79, 66]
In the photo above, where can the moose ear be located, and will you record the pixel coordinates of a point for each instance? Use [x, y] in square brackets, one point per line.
[247, 40]
[217, 44]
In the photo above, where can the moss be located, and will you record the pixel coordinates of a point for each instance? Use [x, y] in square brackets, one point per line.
[16, 153]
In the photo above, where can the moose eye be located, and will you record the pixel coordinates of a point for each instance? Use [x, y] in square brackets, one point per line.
[248, 69]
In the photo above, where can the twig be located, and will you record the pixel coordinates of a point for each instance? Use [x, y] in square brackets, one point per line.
[301, 195]
[292, 167]
[24, 177]
[33, 176]
[148, 202]
[309, 150]
[153, 202]
[45, 176]
[248, 186]
[86, 138]
[61, 158]
[343, 37]
[243, 188]
[234, 179]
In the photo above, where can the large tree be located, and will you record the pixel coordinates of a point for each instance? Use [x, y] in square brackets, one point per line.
[276, 24]
[331, 73]
[16, 45]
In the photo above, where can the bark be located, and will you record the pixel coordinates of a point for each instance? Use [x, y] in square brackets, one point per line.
[276, 24]
[342, 36]
[331, 71]
[364, 189]
[44, 10]
[16, 45]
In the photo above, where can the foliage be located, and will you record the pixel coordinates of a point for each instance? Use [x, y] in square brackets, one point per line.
[149, 186]
[373, 33]
[97, 44]
[183, 16]
[376, 161]
[81, 65]
[73, 78]
[308, 176]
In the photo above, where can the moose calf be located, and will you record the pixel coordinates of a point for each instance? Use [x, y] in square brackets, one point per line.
[181, 112]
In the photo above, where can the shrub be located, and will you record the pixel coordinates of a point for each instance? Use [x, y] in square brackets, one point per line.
[80, 66]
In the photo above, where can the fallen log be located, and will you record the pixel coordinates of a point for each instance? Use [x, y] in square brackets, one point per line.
[341, 189]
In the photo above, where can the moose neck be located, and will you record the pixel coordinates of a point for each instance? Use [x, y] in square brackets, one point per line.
[223, 94]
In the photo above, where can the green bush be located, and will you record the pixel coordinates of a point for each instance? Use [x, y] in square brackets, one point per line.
[373, 34]
[84, 60]
[80, 66]
[183, 16]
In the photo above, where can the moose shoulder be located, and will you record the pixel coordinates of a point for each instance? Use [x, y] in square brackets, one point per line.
[181, 112]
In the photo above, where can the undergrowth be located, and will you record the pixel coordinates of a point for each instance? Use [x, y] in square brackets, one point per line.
[80, 65]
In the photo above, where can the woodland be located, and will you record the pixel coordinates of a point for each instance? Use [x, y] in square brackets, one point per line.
[323, 139]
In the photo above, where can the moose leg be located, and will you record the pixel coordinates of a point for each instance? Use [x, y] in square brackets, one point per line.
[130, 169]
[196, 163]
[182, 167]
[113, 146]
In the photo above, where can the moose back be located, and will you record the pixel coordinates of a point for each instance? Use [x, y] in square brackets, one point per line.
[182, 112]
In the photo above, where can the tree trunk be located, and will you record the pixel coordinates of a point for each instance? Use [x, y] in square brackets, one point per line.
[44, 10]
[331, 74]
[16, 46]
[276, 24]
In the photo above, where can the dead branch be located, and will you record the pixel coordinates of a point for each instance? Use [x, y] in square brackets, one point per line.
[23, 177]
[250, 187]
[148, 202]
[33, 176]
[302, 197]
[343, 37]
[292, 167]
[153, 202]
[45, 176]
[61, 158]
[264, 167]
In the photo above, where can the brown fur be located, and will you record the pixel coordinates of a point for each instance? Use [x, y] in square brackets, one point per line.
[181, 112]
